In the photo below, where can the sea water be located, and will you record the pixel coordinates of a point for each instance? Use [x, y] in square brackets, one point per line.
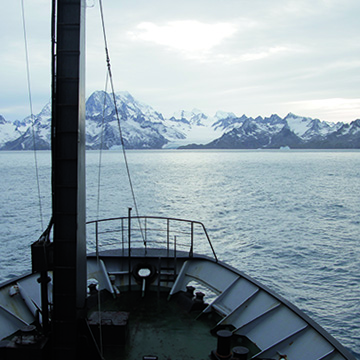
[290, 219]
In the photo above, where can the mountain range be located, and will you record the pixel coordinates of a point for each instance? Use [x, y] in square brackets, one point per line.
[142, 127]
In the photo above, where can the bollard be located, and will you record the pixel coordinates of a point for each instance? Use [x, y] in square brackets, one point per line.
[240, 353]
[224, 343]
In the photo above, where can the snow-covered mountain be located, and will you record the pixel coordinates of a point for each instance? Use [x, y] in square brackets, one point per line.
[142, 127]
[196, 127]
[293, 131]
[22, 135]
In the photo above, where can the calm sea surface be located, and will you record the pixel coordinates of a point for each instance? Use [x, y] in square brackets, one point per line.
[290, 219]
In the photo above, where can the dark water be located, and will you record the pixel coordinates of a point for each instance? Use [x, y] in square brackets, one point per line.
[290, 219]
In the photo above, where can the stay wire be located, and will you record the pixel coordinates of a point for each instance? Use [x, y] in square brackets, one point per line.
[101, 349]
[31, 113]
[118, 120]
[101, 146]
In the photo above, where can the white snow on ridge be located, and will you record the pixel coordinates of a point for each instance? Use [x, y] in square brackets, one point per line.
[8, 133]
[185, 114]
[198, 128]
[224, 115]
[137, 108]
[297, 124]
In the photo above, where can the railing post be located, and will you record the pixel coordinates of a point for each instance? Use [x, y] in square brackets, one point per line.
[175, 256]
[192, 240]
[168, 236]
[145, 239]
[122, 236]
[129, 246]
[97, 238]
[209, 241]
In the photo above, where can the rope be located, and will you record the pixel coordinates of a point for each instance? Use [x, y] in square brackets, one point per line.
[118, 121]
[32, 114]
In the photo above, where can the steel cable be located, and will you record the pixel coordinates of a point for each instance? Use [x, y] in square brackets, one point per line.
[118, 120]
[32, 114]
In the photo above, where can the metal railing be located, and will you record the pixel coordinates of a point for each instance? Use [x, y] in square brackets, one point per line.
[149, 232]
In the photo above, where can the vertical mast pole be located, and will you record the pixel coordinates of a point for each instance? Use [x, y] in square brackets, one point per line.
[68, 178]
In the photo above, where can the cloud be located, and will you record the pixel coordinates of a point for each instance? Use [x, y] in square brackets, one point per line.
[230, 55]
[263, 53]
[189, 37]
[201, 41]
[330, 109]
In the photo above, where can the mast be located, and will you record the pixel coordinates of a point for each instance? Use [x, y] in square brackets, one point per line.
[68, 177]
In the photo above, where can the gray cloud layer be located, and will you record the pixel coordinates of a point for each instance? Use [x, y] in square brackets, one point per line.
[254, 57]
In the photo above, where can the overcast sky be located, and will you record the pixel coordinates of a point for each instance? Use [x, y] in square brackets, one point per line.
[253, 57]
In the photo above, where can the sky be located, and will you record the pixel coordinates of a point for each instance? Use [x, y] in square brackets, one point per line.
[252, 57]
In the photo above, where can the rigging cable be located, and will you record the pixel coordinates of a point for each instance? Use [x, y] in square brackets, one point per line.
[118, 121]
[32, 114]
[109, 77]
[101, 349]
[101, 145]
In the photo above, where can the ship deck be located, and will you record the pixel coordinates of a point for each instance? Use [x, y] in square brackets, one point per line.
[158, 328]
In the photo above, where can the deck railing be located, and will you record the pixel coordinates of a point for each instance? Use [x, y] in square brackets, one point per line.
[129, 232]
